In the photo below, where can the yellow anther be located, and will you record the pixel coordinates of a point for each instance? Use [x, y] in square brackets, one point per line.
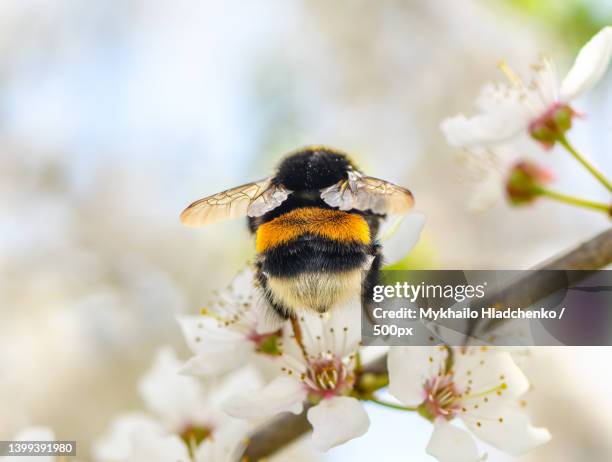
[509, 73]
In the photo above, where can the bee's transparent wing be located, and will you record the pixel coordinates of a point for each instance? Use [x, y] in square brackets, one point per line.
[251, 199]
[368, 193]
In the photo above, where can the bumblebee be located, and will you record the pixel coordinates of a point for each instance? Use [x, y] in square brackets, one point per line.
[315, 221]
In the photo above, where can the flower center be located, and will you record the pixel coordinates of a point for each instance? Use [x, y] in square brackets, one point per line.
[551, 126]
[440, 398]
[268, 343]
[540, 92]
[193, 435]
[512, 77]
[326, 378]
[525, 182]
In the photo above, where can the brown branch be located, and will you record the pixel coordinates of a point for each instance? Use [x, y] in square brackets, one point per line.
[591, 255]
[538, 283]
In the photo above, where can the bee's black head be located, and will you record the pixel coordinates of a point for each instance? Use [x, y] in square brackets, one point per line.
[313, 167]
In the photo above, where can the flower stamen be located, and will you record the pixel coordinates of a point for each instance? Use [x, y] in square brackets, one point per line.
[497, 389]
[441, 398]
[512, 77]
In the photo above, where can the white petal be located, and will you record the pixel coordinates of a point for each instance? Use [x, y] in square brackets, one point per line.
[116, 442]
[494, 96]
[156, 447]
[507, 427]
[545, 89]
[32, 434]
[337, 420]
[226, 445]
[174, 397]
[345, 320]
[590, 65]
[487, 191]
[204, 330]
[409, 368]
[283, 394]
[218, 349]
[338, 330]
[485, 368]
[218, 361]
[203, 333]
[400, 240]
[449, 443]
[243, 285]
[35, 434]
[485, 128]
[235, 383]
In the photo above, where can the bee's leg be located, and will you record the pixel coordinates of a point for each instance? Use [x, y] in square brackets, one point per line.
[253, 223]
[374, 222]
[371, 279]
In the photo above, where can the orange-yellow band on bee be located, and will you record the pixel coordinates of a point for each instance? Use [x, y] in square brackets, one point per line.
[332, 224]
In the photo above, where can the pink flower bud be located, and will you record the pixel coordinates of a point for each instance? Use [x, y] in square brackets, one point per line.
[552, 125]
[525, 182]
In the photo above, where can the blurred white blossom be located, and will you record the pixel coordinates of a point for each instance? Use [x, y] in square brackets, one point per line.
[487, 171]
[33, 434]
[507, 109]
[184, 421]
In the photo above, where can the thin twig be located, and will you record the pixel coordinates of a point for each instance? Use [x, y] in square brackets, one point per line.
[591, 255]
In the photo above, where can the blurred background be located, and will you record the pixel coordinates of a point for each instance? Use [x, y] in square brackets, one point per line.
[114, 115]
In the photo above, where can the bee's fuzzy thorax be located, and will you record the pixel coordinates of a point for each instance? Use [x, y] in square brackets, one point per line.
[313, 167]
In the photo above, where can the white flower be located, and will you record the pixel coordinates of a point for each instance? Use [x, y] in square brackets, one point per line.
[485, 171]
[483, 389]
[33, 434]
[134, 440]
[184, 420]
[116, 443]
[489, 170]
[506, 110]
[231, 331]
[157, 446]
[179, 401]
[322, 372]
